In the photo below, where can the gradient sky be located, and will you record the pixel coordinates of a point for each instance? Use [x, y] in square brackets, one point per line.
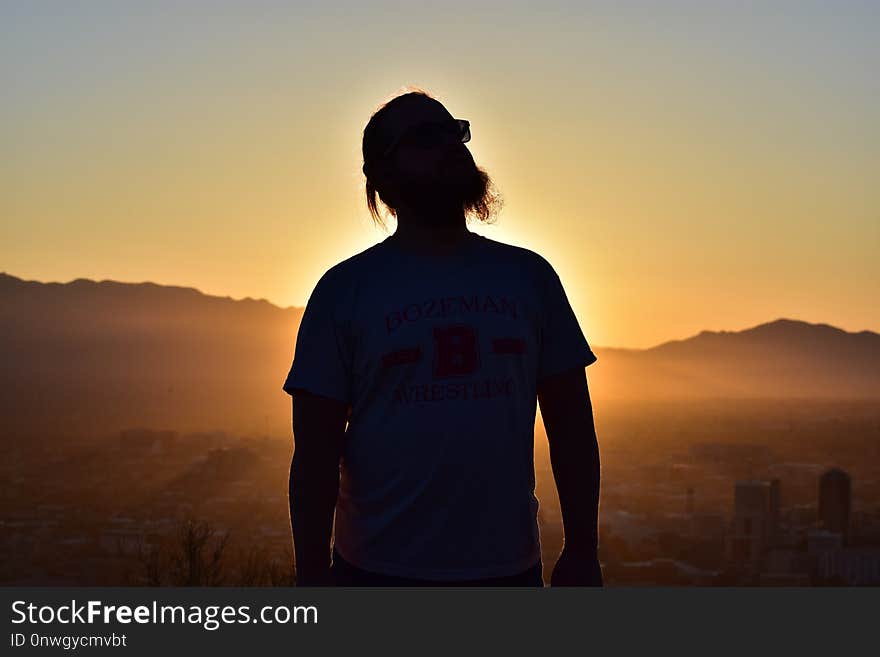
[684, 166]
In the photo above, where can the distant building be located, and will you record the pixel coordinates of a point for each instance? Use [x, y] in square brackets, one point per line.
[660, 571]
[852, 566]
[632, 527]
[820, 541]
[865, 526]
[755, 526]
[801, 516]
[786, 562]
[835, 498]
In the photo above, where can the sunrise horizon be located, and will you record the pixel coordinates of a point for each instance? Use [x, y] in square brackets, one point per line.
[671, 163]
[774, 319]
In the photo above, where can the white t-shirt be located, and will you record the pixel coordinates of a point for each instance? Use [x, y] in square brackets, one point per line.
[438, 358]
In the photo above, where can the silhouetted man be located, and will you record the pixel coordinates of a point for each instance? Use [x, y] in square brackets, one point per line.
[418, 367]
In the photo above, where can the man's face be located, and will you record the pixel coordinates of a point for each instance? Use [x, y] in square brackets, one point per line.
[440, 174]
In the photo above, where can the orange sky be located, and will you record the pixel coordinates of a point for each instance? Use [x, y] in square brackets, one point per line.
[682, 171]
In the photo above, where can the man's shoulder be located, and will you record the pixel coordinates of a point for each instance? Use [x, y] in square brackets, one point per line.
[519, 255]
[351, 268]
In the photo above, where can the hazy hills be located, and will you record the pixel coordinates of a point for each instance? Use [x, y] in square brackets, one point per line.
[97, 356]
[100, 356]
[783, 358]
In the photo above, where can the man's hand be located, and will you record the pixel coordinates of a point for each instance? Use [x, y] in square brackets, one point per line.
[577, 568]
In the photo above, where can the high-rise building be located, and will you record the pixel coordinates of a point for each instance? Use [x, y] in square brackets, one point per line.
[835, 498]
[755, 524]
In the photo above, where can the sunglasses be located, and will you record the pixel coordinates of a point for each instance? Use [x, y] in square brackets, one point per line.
[432, 133]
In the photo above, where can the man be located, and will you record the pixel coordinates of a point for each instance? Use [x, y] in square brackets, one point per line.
[418, 366]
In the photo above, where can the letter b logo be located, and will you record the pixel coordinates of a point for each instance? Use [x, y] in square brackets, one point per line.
[455, 351]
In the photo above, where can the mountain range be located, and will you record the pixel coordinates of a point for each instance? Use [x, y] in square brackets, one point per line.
[89, 356]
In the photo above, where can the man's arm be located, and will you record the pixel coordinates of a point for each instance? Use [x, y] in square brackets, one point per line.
[319, 430]
[574, 456]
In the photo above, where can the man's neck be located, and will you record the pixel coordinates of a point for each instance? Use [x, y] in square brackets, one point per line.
[426, 233]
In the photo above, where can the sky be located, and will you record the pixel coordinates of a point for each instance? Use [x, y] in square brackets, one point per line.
[683, 166]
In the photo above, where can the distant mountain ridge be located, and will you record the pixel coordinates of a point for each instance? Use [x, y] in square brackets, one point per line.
[100, 356]
[89, 356]
[783, 358]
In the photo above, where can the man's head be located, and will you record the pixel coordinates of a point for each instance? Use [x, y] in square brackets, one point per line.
[415, 157]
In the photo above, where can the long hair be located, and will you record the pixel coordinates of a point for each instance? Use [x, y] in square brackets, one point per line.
[374, 144]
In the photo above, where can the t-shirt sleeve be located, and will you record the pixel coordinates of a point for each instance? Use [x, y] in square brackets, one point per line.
[562, 345]
[322, 360]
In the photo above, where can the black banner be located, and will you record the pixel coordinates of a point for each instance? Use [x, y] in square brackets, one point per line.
[413, 620]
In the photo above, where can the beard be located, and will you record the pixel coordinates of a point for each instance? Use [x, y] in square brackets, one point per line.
[459, 186]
